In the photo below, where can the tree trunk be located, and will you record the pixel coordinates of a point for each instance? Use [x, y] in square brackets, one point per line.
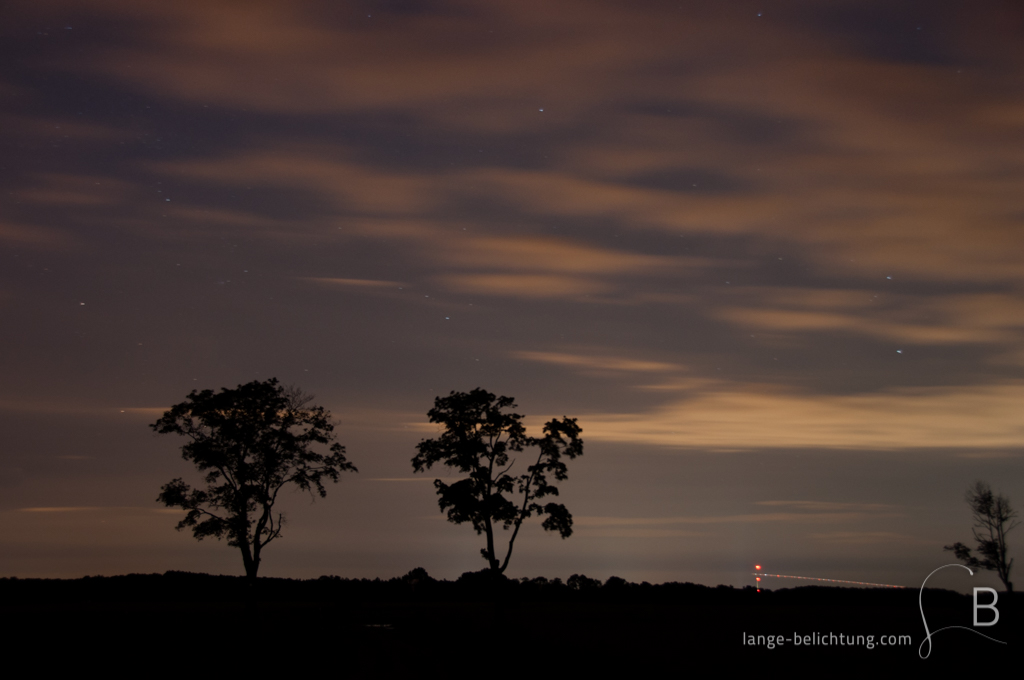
[492, 560]
[252, 565]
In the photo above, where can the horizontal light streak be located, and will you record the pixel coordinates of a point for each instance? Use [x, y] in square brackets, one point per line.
[829, 580]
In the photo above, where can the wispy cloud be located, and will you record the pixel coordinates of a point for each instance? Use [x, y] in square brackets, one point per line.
[681, 527]
[18, 406]
[916, 320]
[74, 190]
[525, 285]
[34, 236]
[425, 478]
[866, 537]
[987, 416]
[795, 517]
[338, 181]
[96, 508]
[830, 506]
[598, 363]
[860, 164]
[806, 512]
[356, 283]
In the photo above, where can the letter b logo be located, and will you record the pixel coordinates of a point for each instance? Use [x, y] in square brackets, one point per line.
[991, 605]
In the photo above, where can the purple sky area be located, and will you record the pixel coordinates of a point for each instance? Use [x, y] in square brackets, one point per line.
[769, 254]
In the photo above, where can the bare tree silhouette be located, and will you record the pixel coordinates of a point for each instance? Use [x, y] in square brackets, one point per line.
[993, 519]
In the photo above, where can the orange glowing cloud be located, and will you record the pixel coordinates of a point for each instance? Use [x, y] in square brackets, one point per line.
[598, 363]
[856, 165]
[525, 285]
[548, 254]
[971, 418]
[934, 320]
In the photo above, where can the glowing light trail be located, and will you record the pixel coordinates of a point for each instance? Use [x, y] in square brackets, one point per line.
[828, 580]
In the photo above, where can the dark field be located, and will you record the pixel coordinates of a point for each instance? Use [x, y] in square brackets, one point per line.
[200, 624]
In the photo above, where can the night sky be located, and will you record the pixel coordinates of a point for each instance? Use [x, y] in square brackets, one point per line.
[770, 255]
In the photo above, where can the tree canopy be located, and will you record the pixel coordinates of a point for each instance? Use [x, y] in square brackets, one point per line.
[250, 442]
[993, 519]
[480, 440]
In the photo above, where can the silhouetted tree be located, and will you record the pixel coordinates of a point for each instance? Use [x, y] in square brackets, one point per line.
[478, 439]
[993, 519]
[251, 442]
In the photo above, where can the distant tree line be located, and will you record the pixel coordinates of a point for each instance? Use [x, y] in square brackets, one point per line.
[177, 587]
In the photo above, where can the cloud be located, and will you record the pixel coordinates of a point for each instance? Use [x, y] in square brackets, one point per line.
[406, 209]
[917, 232]
[866, 538]
[145, 410]
[34, 236]
[525, 285]
[797, 321]
[639, 532]
[807, 512]
[912, 319]
[539, 267]
[798, 517]
[123, 510]
[829, 506]
[224, 217]
[534, 253]
[61, 509]
[599, 363]
[342, 183]
[56, 130]
[289, 58]
[22, 406]
[356, 283]
[426, 478]
[858, 162]
[990, 455]
[753, 417]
